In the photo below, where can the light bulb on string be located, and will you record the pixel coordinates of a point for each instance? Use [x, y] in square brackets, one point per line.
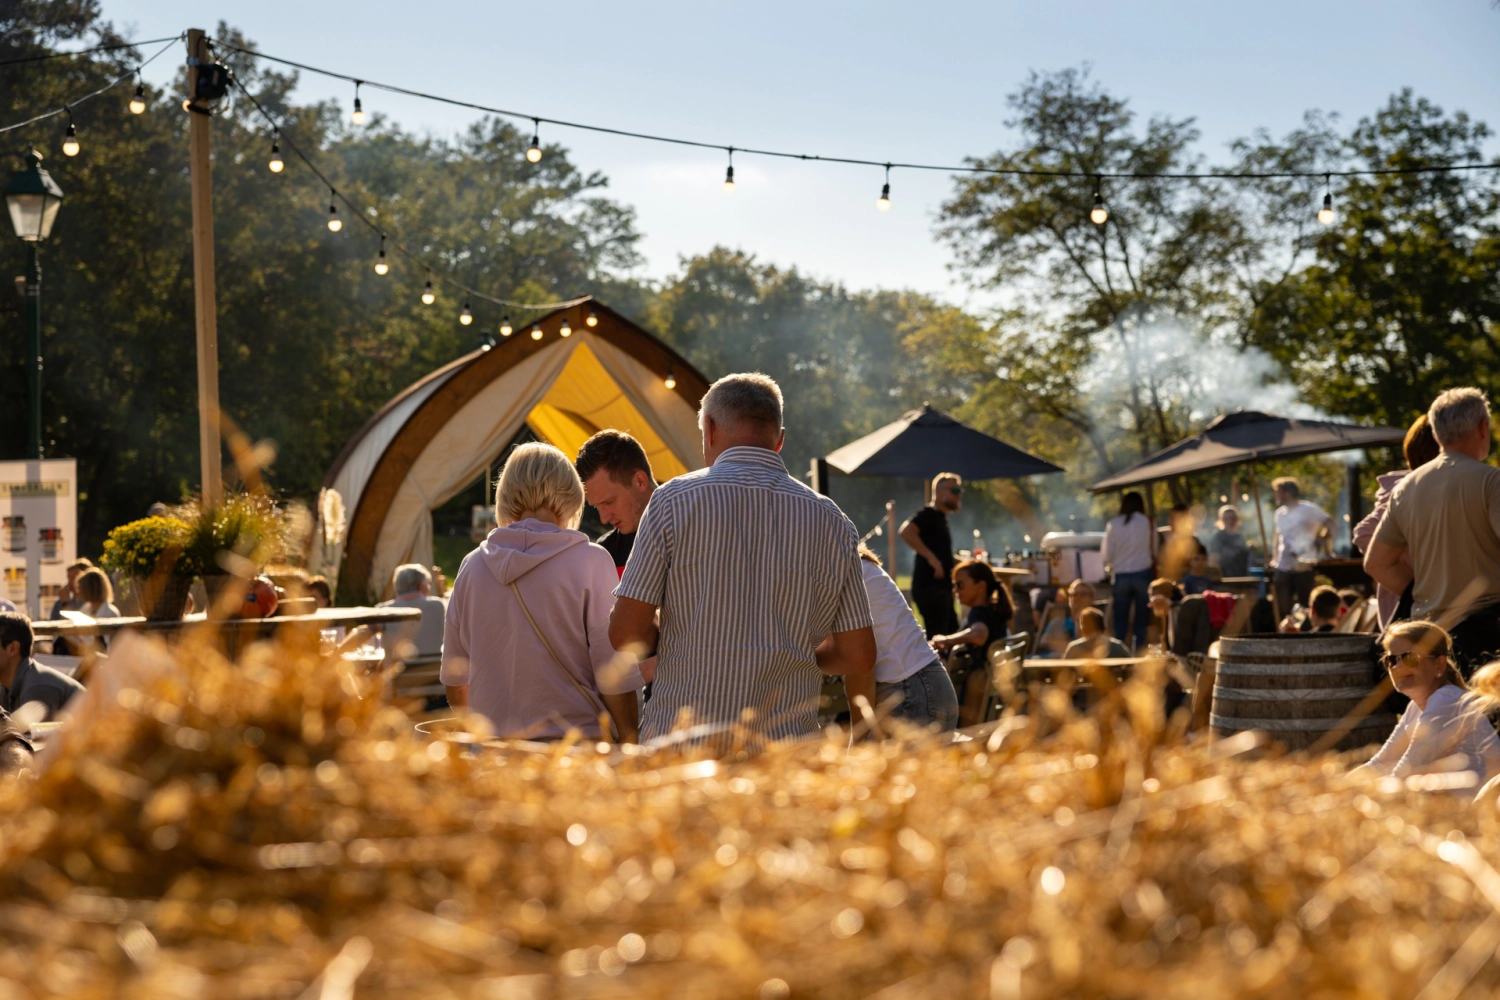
[358, 117]
[534, 151]
[138, 102]
[428, 295]
[536, 331]
[276, 164]
[671, 380]
[1099, 214]
[593, 319]
[381, 267]
[729, 176]
[884, 201]
[566, 330]
[70, 137]
[466, 317]
[334, 222]
[1325, 214]
[505, 328]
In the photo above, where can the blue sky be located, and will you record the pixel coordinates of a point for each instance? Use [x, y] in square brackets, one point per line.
[923, 82]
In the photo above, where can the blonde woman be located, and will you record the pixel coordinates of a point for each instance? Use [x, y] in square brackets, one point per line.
[526, 638]
[1444, 728]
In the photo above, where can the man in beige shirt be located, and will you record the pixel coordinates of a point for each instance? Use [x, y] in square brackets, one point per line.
[1446, 516]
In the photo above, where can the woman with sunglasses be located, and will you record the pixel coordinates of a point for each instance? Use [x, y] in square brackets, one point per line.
[1442, 721]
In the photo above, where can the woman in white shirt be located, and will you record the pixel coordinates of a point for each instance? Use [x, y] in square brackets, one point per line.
[1444, 728]
[1129, 554]
[905, 666]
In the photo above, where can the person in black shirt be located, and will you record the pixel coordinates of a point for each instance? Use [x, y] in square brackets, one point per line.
[932, 568]
[987, 622]
[617, 480]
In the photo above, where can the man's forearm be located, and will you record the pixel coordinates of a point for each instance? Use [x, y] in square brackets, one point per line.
[915, 543]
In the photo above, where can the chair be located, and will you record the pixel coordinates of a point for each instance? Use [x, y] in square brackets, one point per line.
[1353, 617]
[1005, 661]
[418, 681]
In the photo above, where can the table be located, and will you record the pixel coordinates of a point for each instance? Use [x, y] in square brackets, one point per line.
[258, 627]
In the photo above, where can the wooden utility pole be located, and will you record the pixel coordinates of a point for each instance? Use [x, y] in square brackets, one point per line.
[205, 301]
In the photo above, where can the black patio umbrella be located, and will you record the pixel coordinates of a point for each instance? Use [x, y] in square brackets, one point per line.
[926, 442]
[1249, 436]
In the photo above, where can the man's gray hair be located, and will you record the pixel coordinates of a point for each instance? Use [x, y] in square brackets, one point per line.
[1457, 413]
[410, 578]
[743, 399]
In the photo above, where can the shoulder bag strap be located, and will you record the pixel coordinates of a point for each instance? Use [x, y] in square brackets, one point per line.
[587, 696]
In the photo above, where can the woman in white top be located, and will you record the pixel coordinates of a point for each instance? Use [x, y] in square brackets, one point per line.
[1444, 728]
[1129, 554]
[910, 682]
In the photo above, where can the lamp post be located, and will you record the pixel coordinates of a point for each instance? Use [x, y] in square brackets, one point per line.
[33, 198]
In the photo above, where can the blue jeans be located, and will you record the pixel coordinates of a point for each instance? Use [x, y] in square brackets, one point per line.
[1133, 589]
[927, 698]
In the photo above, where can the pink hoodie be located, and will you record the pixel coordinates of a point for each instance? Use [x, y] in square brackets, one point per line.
[568, 583]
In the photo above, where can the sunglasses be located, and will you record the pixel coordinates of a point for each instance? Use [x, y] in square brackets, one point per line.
[954, 489]
[1409, 658]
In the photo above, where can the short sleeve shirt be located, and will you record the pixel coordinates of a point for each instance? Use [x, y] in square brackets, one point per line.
[932, 528]
[1297, 530]
[618, 545]
[1233, 552]
[751, 570]
[991, 618]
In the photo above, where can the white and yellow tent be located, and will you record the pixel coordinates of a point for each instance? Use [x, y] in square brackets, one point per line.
[442, 432]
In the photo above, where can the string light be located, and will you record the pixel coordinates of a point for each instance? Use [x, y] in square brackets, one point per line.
[1325, 214]
[534, 151]
[428, 295]
[358, 117]
[505, 328]
[487, 342]
[466, 317]
[70, 137]
[536, 331]
[277, 166]
[729, 177]
[138, 102]
[593, 319]
[1098, 215]
[381, 267]
[884, 201]
[334, 222]
[671, 380]
[566, 330]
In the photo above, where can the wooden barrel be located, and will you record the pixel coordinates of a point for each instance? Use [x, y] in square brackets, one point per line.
[1298, 686]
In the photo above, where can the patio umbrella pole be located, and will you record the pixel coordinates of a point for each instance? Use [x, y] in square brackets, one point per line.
[1265, 549]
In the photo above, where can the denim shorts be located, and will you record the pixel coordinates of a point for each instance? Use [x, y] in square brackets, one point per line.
[927, 698]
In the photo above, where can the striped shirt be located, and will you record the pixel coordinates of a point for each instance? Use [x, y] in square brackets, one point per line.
[751, 570]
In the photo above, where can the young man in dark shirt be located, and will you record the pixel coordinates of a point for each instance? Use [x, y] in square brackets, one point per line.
[617, 480]
[932, 569]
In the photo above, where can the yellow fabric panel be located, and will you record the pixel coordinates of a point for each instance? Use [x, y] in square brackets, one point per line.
[585, 399]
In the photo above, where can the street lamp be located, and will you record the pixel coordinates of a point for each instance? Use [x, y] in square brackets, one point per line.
[33, 198]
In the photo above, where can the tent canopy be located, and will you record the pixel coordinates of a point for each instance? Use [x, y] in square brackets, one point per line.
[926, 442]
[1249, 436]
[441, 433]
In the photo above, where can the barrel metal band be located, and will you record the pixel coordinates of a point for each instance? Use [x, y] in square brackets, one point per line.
[1280, 669]
[1366, 657]
[1299, 725]
[1289, 694]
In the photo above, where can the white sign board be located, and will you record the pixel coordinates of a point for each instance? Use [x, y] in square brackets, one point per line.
[38, 530]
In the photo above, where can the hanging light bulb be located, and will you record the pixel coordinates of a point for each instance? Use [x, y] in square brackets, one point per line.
[566, 330]
[671, 380]
[729, 176]
[486, 342]
[428, 296]
[70, 138]
[593, 319]
[1098, 215]
[534, 151]
[536, 331]
[1325, 214]
[505, 328]
[884, 201]
[138, 102]
[276, 164]
[334, 222]
[466, 317]
[381, 267]
[358, 117]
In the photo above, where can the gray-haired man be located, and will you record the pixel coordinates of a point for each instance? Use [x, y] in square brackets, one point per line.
[412, 583]
[1445, 516]
[757, 578]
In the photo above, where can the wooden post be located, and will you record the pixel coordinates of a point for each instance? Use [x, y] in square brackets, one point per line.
[205, 301]
[1265, 547]
[890, 535]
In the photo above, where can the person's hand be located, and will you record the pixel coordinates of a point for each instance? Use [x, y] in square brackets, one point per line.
[1289, 624]
[941, 643]
[1160, 605]
[936, 564]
